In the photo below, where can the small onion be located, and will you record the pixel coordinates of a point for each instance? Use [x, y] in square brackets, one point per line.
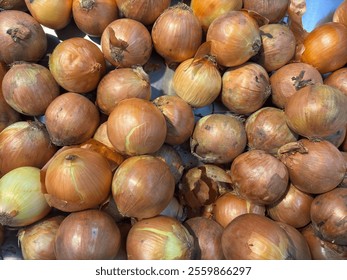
[316, 111]
[218, 138]
[85, 12]
[37, 240]
[126, 42]
[338, 79]
[329, 215]
[340, 14]
[144, 11]
[77, 65]
[159, 238]
[87, 235]
[136, 126]
[267, 130]
[235, 38]
[142, 186]
[259, 177]
[245, 88]
[273, 10]
[120, 84]
[76, 179]
[71, 119]
[177, 33]
[21, 200]
[29, 88]
[314, 167]
[208, 235]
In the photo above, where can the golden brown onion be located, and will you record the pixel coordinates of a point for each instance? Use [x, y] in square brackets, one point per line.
[338, 79]
[340, 14]
[273, 10]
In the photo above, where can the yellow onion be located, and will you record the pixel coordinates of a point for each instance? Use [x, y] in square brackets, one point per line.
[208, 10]
[76, 179]
[120, 84]
[53, 14]
[235, 38]
[273, 10]
[324, 47]
[126, 42]
[218, 138]
[21, 200]
[316, 111]
[314, 166]
[136, 126]
[245, 88]
[340, 14]
[177, 33]
[37, 240]
[142, 186]
[87, 235]
[159, 238]
[144, 11]
[338, 79]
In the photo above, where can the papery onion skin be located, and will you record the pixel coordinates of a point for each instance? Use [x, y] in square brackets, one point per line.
[87, 235]
[76, 179]
[21, 200]
[338, 79]
[218, 138]
[316, 111]
[273, 10]
[235, 38]
[71, 119]
[37, 240]
[328, 215]
[136, 126]
[267, 130]
[177, 34]
[142, 186]
[159, 238]
[314, 167]
[324, 47]
[77, 65]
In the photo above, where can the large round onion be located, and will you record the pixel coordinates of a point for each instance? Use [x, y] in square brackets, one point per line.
[316, 111]
[159, 238]
[314, 167]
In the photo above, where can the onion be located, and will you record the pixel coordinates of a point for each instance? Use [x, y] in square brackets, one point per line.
[24, 143]
[159, 238]
[273, 10]
[278, 46]
[144, 11]
[293, 208]
[207, 234]
[314, 167]
[71, 119]
[120, 84]
[230, 205]
[338, 79]
[87, 235]
[77, 65]
[256, 237]
[13, 5]
[142, 186]
[328, 215]
[136, 126]
[316, 111]
[175, 210]
[29, 88]
[37, 240]
[126, 42]
[245, 88]
[324, 47]
[21, 200]
[53, 14]
[177, 33]
[290, 78]
[218, 138]
[235, 38]
[85, 12]
[208, 10]
[101, 136]
[340, 13]
[336, 138]
[179, 118]
[76, 179]
[267, 130]
[21, 37]
[197, 81]
[259, 177]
